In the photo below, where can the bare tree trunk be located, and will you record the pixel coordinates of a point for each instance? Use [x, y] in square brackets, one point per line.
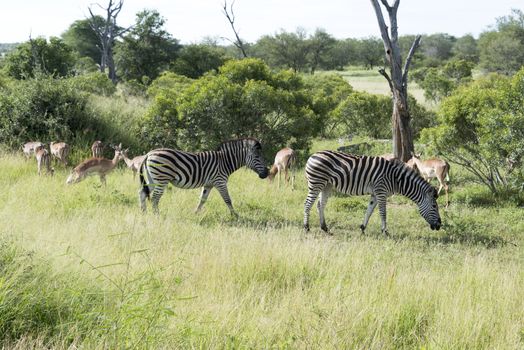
[397, 80]
[231, 18]
[107, 33]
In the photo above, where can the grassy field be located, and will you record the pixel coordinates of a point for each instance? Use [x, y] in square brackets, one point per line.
[371, 81]
[82, 267]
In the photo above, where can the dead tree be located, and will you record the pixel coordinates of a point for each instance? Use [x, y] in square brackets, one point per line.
[230, 15]
[107, 32]
[397, 79]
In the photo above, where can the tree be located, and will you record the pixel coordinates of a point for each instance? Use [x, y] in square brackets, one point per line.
[465, 48]
[370, 52]
[340, 54]
[107, 32]
[83, 39]
[147, 49]
[502, 50]
[39, 55]
[230, 15]
[481, 127]
[285, 50]
[319, 44]
[437, 48]
[195, 60]
[397, 79]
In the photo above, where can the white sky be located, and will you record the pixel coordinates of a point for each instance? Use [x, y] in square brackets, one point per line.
[191, 20]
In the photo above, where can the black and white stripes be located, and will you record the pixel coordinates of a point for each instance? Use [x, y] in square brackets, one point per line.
[191, 170]
[359, 175]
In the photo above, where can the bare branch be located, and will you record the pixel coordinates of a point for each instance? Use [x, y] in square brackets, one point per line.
[414, 46]
[230, 15]
[382, 71]
[383, 28]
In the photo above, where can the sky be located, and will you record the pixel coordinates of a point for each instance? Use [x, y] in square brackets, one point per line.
[190, 21]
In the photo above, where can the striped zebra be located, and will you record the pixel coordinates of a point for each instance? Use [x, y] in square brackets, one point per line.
[359, 175]
[204, 169]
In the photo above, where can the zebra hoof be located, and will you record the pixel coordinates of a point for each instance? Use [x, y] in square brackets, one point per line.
[386, 233]
[362, 228]
[324, 228]
[306, 228]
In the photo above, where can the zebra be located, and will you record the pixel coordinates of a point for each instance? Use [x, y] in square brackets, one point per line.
[204, 169]
[359, 175]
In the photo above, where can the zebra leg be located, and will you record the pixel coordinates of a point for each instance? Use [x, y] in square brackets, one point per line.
[203, 197]
[103, 179]
[321, 205]
[382, 210]
[311, 198]
[158, 190]
[142, 195]
[371, 207]
[222, 189]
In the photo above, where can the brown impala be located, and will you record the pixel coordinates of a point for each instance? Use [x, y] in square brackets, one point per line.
[431, 168]
[133, 164]
[43, 159]
[60, 150]
[284, 161]
[95, 166]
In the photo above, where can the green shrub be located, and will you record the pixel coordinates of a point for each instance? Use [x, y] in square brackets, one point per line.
[95, 83]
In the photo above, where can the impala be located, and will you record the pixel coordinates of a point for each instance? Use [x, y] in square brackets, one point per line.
[431, 168]
[388, 156]
[30, 147]
[95, 166]
[60, 150]
[284, 161]
[43, 159]
[133, 164]
[97, 148]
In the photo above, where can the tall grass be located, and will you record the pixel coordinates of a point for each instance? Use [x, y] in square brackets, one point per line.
[185, 280]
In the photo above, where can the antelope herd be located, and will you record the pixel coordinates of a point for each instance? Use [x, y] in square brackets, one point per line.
[325, 171]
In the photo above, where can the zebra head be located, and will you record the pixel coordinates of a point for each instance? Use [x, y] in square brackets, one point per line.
[255, 160]
[429, 208]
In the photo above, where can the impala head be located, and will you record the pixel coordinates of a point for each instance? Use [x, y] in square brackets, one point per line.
[74, 177]
[119, 152]
[254, 158]
[428, 206]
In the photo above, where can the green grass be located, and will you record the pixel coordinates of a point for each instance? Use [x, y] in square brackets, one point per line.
[371, 81]
[185, 280]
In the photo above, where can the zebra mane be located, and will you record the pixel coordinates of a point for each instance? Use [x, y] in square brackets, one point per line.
[249, 140]
[406, 170]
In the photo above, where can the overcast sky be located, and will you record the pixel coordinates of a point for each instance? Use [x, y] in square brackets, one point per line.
[192, 20]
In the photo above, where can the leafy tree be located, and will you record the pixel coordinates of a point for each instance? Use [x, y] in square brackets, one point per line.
[340, 54]
[465, 48]
[481, 127]
[243, 99]
[147, 49]
[319, 44]
[168, 81]
[83, 39]
[502, 50]
[284, 50]
[440, 82]
[371, 52]
[39, 55]
[196, 60]
[437, 48]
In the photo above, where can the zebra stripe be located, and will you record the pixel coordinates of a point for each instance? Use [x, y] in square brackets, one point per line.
[204, 169]
[359, 175]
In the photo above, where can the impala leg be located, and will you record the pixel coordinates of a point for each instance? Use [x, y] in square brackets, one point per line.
[279, 175]
[371, 207]
[103, 179]
[222, 189]
[321, 205]
[203, 197]
[142, 195]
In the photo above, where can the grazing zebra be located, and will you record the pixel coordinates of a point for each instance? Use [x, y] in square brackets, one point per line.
[359, 175]
[204, 169]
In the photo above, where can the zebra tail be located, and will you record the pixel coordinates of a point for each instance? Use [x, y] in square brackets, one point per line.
[143, 183]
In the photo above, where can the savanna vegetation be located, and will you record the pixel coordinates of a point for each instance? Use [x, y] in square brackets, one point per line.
[82, 267]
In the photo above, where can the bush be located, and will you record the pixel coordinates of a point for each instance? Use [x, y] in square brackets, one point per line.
[243, 99]
[95, 83]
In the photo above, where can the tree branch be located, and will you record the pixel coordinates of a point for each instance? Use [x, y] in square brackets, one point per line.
[383, 28]
[231, 18]
[411, 53]
[382, 71]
